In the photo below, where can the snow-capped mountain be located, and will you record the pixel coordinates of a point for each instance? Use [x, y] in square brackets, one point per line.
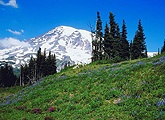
[66, 42]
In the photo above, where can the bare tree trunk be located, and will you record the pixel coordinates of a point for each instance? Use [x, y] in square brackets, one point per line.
[23, 80]
[20, 80]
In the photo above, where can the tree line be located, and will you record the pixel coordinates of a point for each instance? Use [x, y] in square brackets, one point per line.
[31, 72]
[113, 44]
[38, 68]
[7, 77]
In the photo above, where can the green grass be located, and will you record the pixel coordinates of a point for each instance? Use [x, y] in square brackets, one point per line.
[127, 90]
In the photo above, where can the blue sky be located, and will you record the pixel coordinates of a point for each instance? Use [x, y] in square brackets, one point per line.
[24, 19]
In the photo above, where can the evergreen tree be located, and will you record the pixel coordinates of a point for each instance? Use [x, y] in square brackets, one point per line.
[97, 42]
[94, 51]
[99, 36]
[32, 69]
[48, 64]
[22, 75]
[26, 74]
[107, 43]
[139, 46]
[118, 32]
[131, 50]
[93, 58]
[2, 76]
[125, 44]
[43, 63]
[114, 36]
[117, 44]
[11, 79]
[38, 68]
[51, 64]
[163, 48]
[142, 38]
[54, 68]
[136, 47]
[146, 56]
[8, 78]
[40, 64]
[112, 25]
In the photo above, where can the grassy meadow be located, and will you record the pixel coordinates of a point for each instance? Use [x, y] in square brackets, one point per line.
[126, 90]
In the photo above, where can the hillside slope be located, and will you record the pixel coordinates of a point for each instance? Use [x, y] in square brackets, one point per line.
[127, 90]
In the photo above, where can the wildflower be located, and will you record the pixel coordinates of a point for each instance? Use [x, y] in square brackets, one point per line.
[128, 97]
[149, 105]
[51, 109]
[36, 110]
[160, 103]
[141, 63]
[135, 111]
[28, 110]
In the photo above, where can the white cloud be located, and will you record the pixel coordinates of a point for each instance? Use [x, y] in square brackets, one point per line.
[14, 32]
[22, 31]
[10, 42]
[10, 3]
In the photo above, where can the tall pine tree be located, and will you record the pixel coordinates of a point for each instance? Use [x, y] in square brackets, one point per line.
[43, 63]
[124, 42]
[99, 36]
[97, 42]
[113, 36]
[51, 64]
[139, 46]
[117, 44]
[136, 47]
[38, 61]
[112, 25]
[142, 38]
[107, 43]
[32, 70]
[7, 77]
[131, 50]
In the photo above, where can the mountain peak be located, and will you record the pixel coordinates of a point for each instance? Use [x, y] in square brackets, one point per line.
[68, 43]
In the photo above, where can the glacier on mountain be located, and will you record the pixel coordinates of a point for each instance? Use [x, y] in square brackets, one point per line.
[68, 44]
